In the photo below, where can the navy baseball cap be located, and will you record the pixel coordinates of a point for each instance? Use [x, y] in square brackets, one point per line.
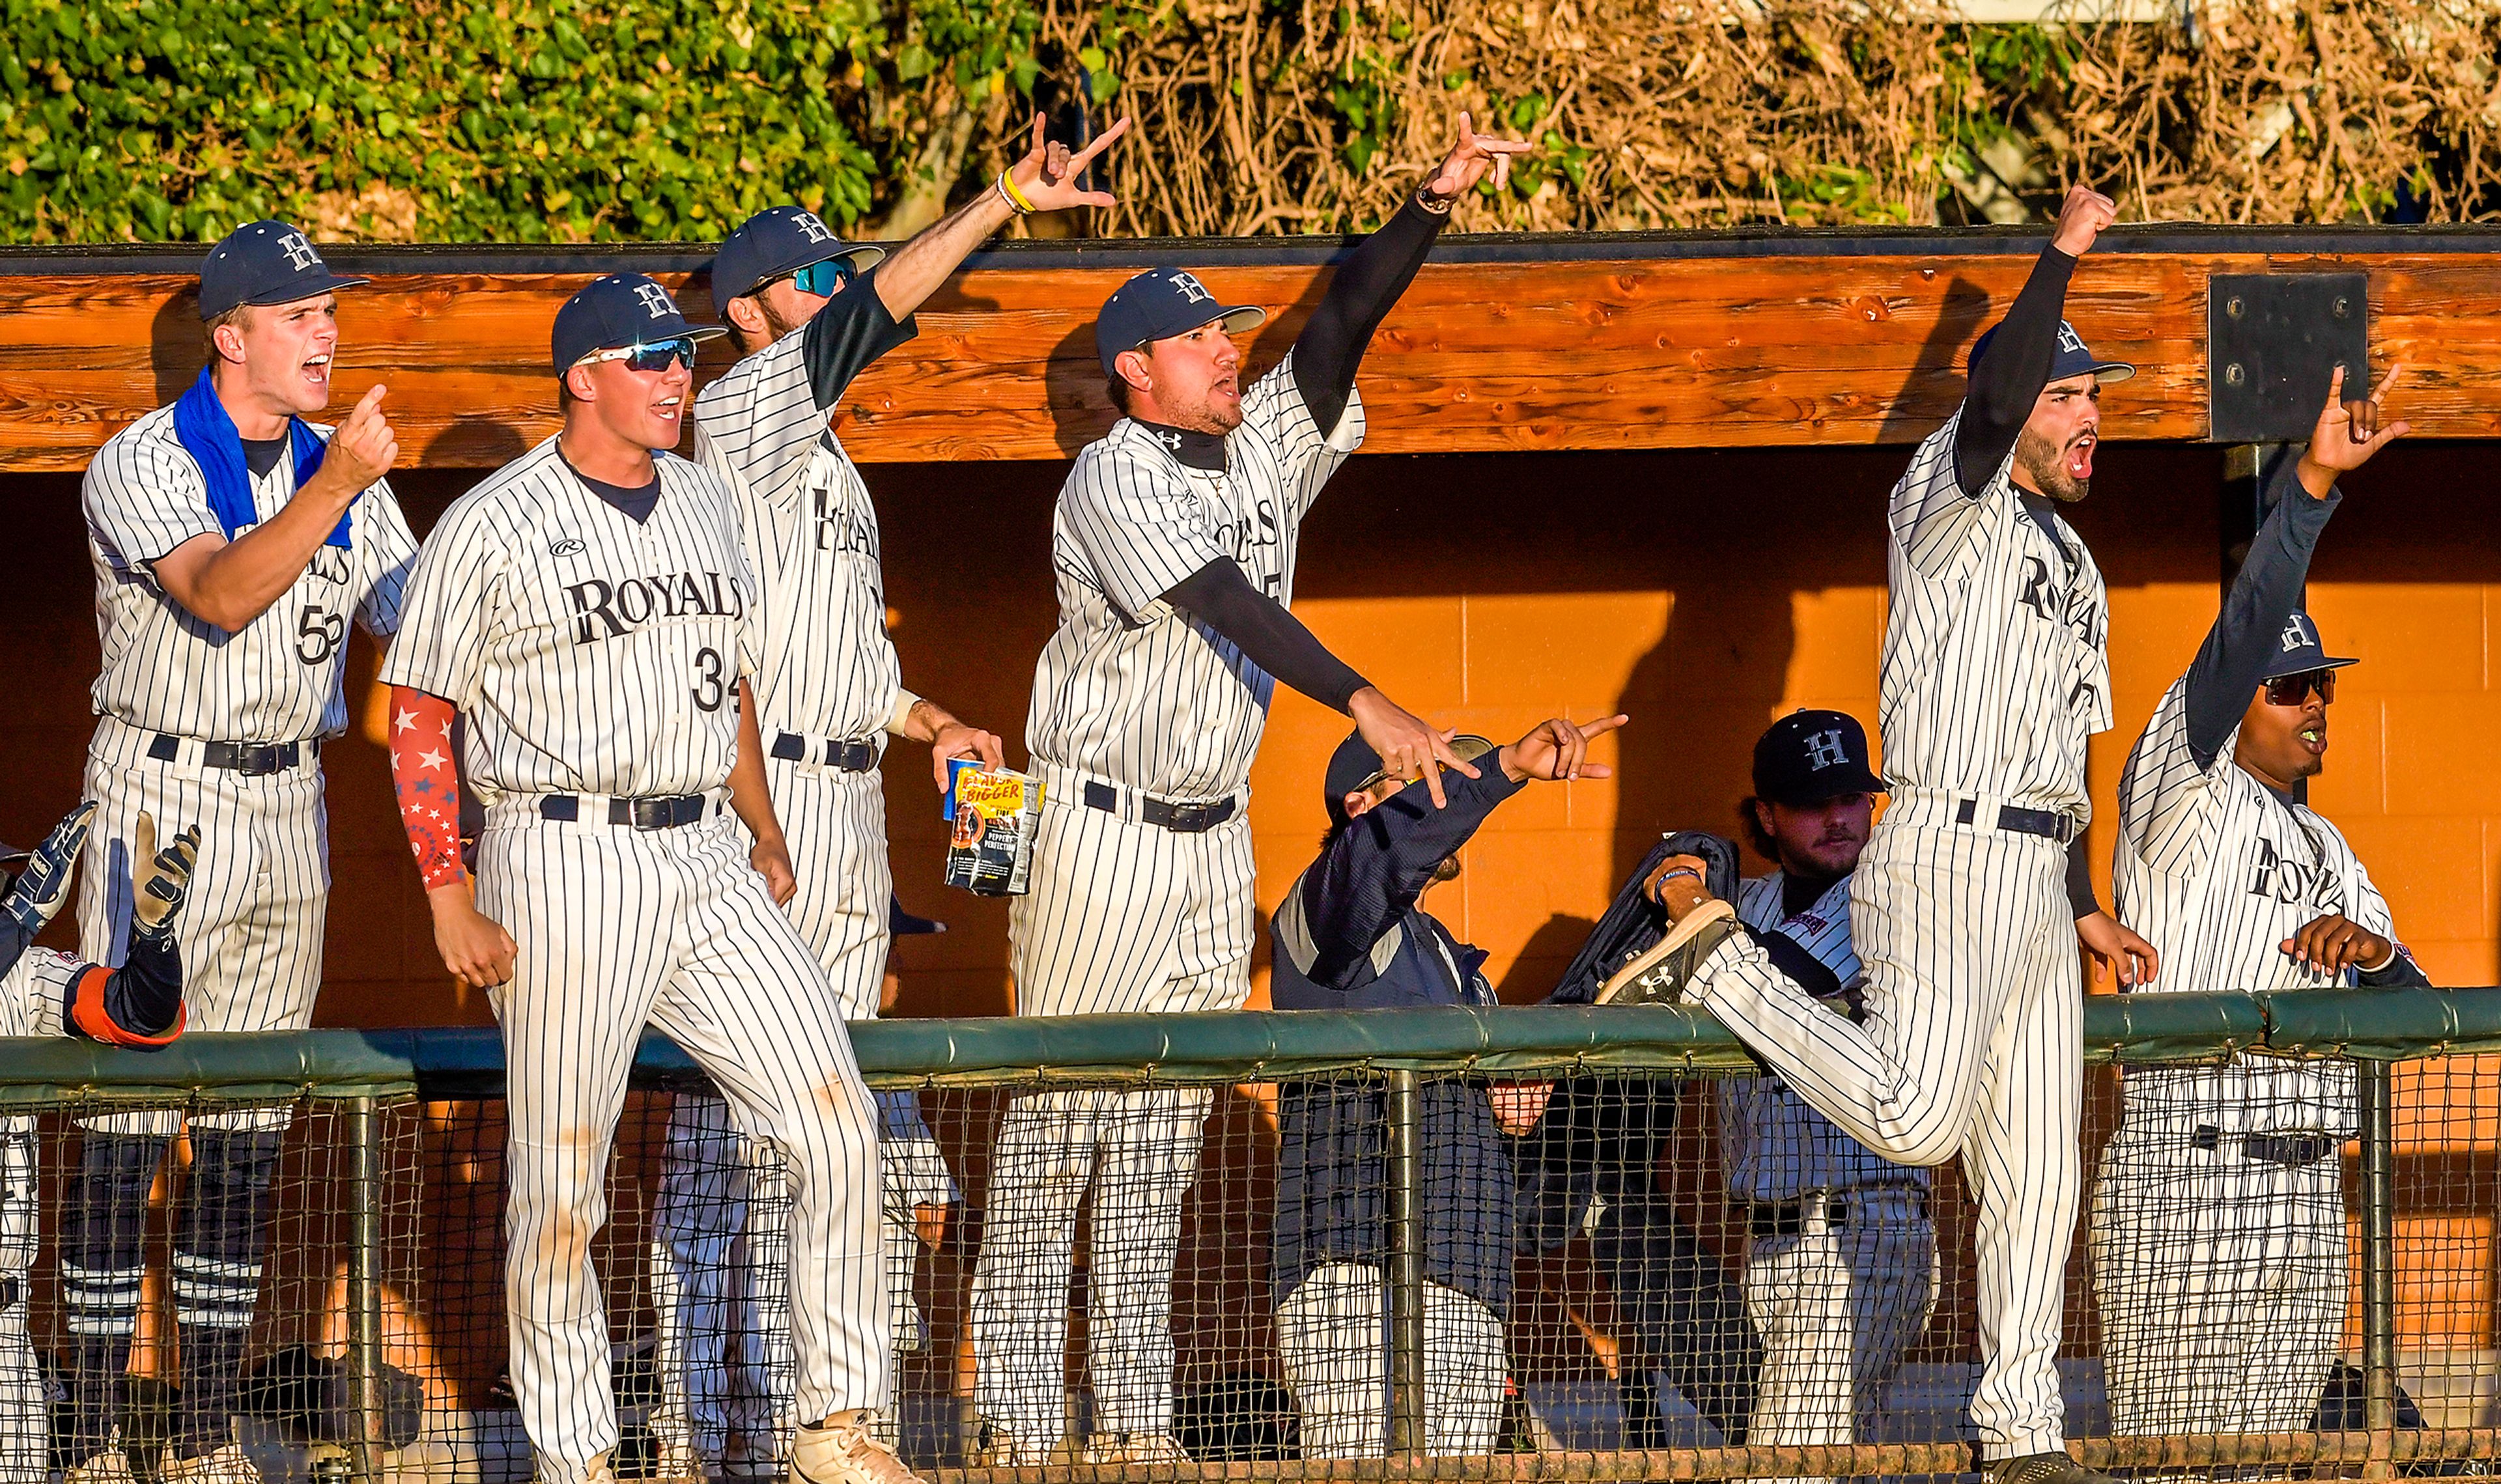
[622, 308]
[2071, 358]
[1159, 304]
[264, 262]
[2297, 649]
[1810, 756]
[779, 240]
[1355, 766]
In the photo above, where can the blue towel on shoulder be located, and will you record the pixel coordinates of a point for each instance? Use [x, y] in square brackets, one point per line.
[206, 433]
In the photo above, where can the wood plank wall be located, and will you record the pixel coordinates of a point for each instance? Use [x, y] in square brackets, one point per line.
[1623, 344]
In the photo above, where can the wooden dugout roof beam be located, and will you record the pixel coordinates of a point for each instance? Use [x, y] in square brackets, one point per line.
[1646, 341]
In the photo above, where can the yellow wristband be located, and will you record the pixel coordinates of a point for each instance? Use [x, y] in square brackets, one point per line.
[901, 716]
[1016, 197]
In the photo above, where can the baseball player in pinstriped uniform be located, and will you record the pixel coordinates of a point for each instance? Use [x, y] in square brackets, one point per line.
[829, 685]
[589, 611]
[1173, 546]
[1972, 894]
[45, 993]
[233, 544]
[2219, 1263]
[1841, 1251]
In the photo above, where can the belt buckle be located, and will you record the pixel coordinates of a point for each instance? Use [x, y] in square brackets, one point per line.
[256, 760]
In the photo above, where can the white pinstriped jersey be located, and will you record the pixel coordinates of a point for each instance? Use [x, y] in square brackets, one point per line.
[2217, 871]
[1129, 689]
[1996, 667]
[593, 653]
[34, 990]
[1773, 1146]
[280, 678]
[825, 666]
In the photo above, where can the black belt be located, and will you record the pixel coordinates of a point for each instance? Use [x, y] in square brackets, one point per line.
[2291, 1150]
[2049, 824]
[250, 759]
[641, 813]
[1163, 814]
[1788, 1219]
[848, 756]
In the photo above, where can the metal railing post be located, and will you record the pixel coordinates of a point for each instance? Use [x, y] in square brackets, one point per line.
[2378, 1130]
[365, 1428]
[1404, 1159]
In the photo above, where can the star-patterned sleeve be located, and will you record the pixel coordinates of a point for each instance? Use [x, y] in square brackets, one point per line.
[427, 782]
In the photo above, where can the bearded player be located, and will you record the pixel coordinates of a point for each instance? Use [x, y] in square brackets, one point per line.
[1972, 895]
[1173, 546]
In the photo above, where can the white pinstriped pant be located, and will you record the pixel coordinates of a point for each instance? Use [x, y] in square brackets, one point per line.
[1973, 1044]
[619, 928]
[1122, 916]
[2220, 1280]
[1837, 1310]
[25, 1413]
[1333, 1339]
[718, 1290]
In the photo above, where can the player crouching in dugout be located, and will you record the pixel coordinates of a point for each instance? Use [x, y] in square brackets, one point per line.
[1351, 934]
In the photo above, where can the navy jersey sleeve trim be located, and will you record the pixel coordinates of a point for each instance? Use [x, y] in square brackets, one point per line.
[847, 335]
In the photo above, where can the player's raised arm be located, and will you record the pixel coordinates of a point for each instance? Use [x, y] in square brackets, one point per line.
[1045, 180]
[2007, 380]
[1376, 274]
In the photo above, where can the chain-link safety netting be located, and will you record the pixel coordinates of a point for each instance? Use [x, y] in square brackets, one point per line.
[1432, 1261]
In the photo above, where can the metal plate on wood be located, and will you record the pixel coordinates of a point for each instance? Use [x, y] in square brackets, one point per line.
[2272, 342]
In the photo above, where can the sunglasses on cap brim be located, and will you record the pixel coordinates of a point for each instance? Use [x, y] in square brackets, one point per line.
[824, 279]
[2293, 689]
[656, 357]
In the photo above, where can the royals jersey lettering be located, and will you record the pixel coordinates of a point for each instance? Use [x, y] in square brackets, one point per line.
[278, 678]
[593, 653]
[825, 666]
[1996, 669]
[2217, 871]
[1130, 688]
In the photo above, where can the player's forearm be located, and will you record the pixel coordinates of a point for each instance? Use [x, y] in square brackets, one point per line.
[904, 281]
[1360, 297]
[425, 779]
[1266, 633]
[2080, 880]
[2264, 593]
[233, 582]
[2007, 381]
[750, 794]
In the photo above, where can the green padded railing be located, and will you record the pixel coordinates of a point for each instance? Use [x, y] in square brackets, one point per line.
[1245, 1045]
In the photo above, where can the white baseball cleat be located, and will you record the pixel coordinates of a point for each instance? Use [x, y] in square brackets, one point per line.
[845, 1451]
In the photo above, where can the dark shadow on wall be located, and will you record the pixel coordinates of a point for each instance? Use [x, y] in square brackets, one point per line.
[1966, 313]
[175, 343]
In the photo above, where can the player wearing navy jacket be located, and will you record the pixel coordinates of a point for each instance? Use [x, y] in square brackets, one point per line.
[1352, 935]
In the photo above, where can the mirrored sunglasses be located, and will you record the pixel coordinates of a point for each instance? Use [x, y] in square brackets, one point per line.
[652, 357]
[825, 279]
[2293, 689]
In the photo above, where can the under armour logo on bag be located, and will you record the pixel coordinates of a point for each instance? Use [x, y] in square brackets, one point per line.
[655, 300]
[2297, 634]
[2068, 339]
[810, 228]
[299, 252]
[1191, 291]
[1823, 751]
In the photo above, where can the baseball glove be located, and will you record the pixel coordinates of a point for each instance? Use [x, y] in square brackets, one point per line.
[45, 883]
